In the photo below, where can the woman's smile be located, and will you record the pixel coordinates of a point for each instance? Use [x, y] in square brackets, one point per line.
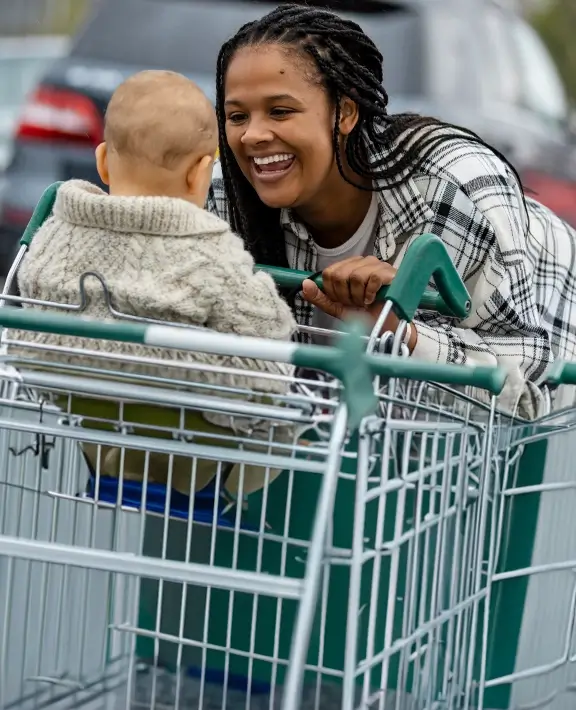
[271, 168]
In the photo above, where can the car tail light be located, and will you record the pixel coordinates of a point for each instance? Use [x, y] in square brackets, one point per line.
[59, 115]
[15, 217]
[556, 193]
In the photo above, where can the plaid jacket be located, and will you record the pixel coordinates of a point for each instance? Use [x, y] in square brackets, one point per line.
[518, 264]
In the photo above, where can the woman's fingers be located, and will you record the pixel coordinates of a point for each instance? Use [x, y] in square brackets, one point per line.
[365, 282]
[376, 280]
[318, 298]
[356, 281]
[350, 284]
[335, 280]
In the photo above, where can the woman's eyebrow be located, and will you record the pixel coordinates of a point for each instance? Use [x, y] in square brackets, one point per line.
[282, 97]
[273, 97]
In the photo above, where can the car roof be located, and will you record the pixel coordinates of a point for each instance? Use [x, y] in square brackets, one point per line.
[186, 35]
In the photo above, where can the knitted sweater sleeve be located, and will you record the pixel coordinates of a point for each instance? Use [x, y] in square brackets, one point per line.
[248, 302]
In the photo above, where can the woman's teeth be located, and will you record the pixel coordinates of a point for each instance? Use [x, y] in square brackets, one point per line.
[279, 158]
[274, 163]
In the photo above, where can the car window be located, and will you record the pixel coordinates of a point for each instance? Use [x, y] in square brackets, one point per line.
[18, 76]
[186, 36]
[501, 76]
[542, 90]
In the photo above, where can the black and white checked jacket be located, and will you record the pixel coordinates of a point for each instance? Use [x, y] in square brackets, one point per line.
[519, 265]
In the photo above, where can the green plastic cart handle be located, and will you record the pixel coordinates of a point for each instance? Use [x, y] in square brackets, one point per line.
[425, 257]
[40, 214]
[293, 278]
[562, 373]
[347, 360]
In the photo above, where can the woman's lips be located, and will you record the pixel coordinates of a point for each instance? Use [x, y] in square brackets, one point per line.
[271, 172]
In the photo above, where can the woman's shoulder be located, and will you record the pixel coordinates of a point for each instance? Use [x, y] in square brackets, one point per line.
[461, 170]
[469, 164]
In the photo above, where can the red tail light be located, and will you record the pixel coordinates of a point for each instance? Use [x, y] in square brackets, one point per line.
[59, 115]
[558, 194]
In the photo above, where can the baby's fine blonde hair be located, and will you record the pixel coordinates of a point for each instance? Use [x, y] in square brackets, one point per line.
[160, 117]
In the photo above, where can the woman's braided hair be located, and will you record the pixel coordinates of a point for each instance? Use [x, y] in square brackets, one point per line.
[349, 64]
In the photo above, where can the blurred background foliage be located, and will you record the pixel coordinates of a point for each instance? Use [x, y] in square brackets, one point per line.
[555, 20]
[43, 17]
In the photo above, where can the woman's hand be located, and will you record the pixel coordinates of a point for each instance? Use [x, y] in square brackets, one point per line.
[350, 286]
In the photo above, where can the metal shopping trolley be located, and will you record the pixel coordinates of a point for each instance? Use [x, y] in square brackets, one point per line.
[365, 575]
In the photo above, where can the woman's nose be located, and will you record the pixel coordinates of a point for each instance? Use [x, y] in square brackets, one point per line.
[257, 132]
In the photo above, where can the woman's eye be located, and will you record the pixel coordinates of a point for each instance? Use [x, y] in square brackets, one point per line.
[281, 112]
[236, 117]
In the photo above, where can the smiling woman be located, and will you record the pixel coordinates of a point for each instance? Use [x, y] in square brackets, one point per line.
[316, 175]
[282, 141]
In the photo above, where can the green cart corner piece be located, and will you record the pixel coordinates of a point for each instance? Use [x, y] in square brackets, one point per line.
[41, 213]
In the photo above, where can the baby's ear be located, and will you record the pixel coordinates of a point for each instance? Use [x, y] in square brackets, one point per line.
[102, 163]
[199, 179]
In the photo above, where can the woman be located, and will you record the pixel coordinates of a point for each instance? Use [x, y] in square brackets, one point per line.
[316, 175]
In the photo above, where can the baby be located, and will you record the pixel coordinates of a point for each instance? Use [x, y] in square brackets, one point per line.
[162, 256]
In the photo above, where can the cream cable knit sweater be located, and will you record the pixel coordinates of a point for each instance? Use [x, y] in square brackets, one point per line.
[161, 258]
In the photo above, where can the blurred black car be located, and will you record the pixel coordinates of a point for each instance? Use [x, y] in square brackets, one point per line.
[473, 63]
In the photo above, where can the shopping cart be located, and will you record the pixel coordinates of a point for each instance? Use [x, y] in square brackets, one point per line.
[366, 575]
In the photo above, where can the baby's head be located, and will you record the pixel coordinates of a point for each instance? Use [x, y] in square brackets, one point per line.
[160, 138]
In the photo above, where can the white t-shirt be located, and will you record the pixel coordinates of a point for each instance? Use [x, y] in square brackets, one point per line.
[360, 244]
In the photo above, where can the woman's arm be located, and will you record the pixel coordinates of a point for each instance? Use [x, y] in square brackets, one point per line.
[482, 222]
[483, 225]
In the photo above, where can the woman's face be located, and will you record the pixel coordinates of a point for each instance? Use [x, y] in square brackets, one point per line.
[279, 125]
